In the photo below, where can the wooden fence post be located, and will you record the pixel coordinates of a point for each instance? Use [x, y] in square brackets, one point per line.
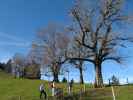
[19, 97]
[84, 88]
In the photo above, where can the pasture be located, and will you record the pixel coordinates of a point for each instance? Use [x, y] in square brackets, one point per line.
[25, 89]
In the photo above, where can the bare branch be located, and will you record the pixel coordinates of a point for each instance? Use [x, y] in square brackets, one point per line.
[76, 15]
[82, 59]
[117, 59]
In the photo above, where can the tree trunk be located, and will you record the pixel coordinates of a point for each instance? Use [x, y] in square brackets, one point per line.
[55, 71]
[55, 77]
[98, 76]
[81, 73]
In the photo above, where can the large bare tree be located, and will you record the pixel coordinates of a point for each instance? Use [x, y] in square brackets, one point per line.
[100, 34]
[55, 42]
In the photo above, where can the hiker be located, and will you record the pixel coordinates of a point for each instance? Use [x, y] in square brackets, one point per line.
[42, 91]
[53, 88]
[69, 90]
[71, 85]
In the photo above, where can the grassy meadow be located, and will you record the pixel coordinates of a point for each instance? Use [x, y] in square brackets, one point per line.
[12, 89]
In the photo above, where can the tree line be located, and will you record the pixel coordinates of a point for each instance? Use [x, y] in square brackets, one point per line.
[20, 67]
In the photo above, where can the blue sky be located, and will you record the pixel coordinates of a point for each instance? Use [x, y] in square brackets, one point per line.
[20, 20]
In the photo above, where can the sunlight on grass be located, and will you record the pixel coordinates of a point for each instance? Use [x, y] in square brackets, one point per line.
[12, 89]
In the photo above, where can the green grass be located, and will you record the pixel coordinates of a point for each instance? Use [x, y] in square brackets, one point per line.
[11, 89]
[124, 92]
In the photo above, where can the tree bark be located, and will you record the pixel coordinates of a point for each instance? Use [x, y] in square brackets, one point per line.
[98, 76]
[55, 77]
[81, 73]
[55, 71]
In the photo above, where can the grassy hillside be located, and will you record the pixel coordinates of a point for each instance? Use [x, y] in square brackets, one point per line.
[11, 89]
[121, 93]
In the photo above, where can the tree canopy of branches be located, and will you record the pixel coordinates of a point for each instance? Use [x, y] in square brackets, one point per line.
[55, 42]
[77, 50]
[99, 34]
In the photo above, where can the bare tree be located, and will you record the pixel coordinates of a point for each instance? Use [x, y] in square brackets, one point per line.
[99, 33]
[80, 51]
[33, 62]
[32, 70]
[55, 42]
[18, 65]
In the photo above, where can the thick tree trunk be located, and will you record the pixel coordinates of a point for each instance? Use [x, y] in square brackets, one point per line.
[81, 74]
[98, 76]
[55, 72]
[81, 77]
[55, 77]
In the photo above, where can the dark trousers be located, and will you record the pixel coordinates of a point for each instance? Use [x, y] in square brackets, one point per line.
[43, 92]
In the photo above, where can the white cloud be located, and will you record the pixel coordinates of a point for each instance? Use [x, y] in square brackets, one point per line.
[15, 41]
[18, 44]
[124, 80]
[11, 37]
[5, 59]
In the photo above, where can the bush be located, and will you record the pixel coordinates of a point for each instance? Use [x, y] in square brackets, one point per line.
[114, 80]
[64, 80]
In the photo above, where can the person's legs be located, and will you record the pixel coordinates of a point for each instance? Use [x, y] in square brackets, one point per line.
[40, 94]
[71, 89]
[45, 94]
